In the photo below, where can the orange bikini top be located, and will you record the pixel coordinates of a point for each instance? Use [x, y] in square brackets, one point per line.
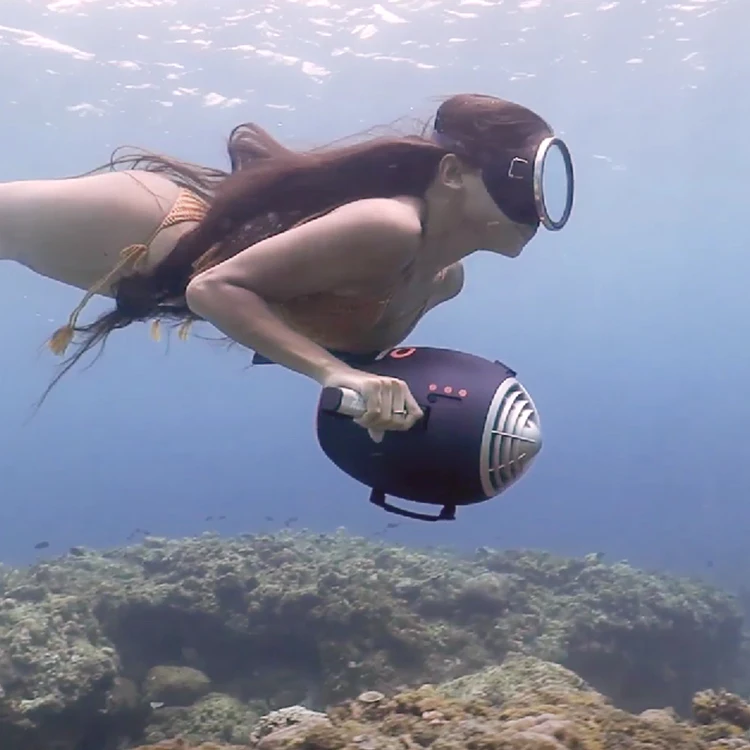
[333, 321]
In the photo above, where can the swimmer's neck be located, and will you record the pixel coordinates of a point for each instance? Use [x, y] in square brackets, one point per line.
[448, 240]
[441, 244]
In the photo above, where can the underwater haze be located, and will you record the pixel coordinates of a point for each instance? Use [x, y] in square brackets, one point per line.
[629, 328]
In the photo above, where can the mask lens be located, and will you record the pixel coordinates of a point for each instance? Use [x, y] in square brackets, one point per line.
[554, 184]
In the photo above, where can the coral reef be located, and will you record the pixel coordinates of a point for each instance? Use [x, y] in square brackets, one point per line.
[552, 713]
[175, 686]
[721, 708]
[516, 676]
[216, 716]
[200, 637]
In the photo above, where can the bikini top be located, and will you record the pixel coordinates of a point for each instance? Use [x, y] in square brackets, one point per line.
[332, 320]
[335, 321]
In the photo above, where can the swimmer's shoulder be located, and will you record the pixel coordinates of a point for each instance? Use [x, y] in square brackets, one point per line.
[394, 224]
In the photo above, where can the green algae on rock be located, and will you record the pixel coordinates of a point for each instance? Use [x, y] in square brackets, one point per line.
[214, 717]
[175, 686]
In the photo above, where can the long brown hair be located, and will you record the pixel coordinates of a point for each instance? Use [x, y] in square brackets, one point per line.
[271, 188]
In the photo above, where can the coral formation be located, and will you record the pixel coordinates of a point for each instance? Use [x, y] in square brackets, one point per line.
[216, 716]
[200, 637]
[569, 717]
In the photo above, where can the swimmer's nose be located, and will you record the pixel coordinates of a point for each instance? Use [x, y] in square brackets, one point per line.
[513, 436]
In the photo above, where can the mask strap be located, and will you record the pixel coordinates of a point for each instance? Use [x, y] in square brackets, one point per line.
[445, 141]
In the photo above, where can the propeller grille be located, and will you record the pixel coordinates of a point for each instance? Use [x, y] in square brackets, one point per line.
[512, 437]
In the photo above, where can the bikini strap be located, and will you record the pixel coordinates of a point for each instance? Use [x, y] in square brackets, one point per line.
[187, 207]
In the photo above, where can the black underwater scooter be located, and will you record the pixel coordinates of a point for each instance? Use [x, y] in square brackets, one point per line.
[479, 433]
[480, 430]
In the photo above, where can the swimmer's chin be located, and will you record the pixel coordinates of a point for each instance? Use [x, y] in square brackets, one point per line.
[510, 241]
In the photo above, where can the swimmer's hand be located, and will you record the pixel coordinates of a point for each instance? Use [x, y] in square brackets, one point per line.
[390, 404]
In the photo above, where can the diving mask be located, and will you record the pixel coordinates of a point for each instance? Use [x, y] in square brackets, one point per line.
[529, 188]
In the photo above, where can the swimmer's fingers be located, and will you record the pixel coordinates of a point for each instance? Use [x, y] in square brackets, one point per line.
[413, 411]
[390, 406]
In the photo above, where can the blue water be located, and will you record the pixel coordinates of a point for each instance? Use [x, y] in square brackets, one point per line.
[630, 328]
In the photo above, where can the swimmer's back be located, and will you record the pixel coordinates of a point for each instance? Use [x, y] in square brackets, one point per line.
[73, 230]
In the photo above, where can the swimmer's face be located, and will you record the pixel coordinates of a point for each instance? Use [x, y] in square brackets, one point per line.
[495, 231]
[477, 216]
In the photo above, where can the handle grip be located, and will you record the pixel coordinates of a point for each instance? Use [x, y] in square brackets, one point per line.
[349, 403]
[343, 401]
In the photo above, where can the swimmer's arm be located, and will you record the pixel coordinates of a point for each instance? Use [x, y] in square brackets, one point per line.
[356, 244]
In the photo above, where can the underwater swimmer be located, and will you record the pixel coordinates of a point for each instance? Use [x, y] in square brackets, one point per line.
[316, 260]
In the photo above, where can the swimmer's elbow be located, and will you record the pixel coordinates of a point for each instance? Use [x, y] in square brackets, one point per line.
[204, 292]
[195, 296]
[224, 304]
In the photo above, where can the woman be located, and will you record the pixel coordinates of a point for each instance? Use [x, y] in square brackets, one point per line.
[316, 260]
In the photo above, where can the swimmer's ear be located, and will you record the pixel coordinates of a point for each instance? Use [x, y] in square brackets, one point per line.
[451, 172]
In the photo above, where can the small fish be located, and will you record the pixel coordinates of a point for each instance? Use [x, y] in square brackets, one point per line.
[385, 529]
[156, 704]
[77, 551]
[41, 545]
